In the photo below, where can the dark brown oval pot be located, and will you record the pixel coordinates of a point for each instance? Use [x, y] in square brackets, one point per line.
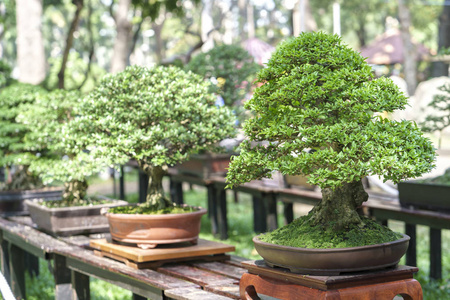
[150, 230]
[332, 261]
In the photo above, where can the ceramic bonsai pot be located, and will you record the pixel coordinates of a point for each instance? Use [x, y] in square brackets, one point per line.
[429, 196]
[205, 165]
[332, 261]
[12, 203]
[147, 231]
[65, 221]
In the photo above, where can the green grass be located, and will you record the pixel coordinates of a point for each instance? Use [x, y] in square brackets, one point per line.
[240, 222]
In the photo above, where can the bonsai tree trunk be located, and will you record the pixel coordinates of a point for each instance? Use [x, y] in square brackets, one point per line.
[337, 210]
[75, 191]
[23, 180]
[155, 191]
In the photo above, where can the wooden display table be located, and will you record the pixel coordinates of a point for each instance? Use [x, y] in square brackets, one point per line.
[282, 284]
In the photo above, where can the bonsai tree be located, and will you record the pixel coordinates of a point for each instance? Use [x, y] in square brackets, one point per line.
[15, 150]
[230, 68]
[319, 94]
[47, 118]
[441, 105]
[156, 116]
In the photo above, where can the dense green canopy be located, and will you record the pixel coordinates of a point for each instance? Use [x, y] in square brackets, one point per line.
[318, 94]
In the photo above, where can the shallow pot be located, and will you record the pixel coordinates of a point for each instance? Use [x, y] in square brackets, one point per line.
[12, 203]
[332, 261]
[64, 221]
[427, 196]
[205, 165]
[147, 231]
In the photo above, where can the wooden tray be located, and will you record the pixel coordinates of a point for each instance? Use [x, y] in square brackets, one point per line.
[152, 258]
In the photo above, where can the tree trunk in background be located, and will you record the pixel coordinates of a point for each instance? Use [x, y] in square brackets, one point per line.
[302, 18]
[30, 46]
[207, 25]
[123, 37]
[69, 41]
[441, 68]
[157, 27]
[242, 4]
[409, 49]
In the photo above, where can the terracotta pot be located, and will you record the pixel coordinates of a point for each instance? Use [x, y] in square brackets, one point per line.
[332, 261]
[64, 221]
[147, 231]
[12, 203]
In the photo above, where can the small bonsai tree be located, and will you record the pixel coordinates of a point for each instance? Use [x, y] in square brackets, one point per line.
[157, 117]
[47, 118]
[231, 67]
[15, 150]
[441, 105]
[319, 94]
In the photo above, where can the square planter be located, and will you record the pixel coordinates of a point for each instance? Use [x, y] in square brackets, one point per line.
[65, 221]
[12, 203]
[426, 196]
[205, 165]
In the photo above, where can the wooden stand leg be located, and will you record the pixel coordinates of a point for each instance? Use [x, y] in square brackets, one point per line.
[63, 280]
[250, 285]
[80, 286]
[17, 269]
[212, 209]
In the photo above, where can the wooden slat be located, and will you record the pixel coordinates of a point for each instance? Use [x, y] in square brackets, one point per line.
[227, 290]
[195, 275]
[193, 294]
[162, 252]
[221, 268]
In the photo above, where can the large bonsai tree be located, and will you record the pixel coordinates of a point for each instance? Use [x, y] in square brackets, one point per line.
[47, 118]
[16, 152]
[156, 116]
[319, 94]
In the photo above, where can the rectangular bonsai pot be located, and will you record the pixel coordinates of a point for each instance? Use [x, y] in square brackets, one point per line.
[65, 221]
[426, 196]
[12, 203]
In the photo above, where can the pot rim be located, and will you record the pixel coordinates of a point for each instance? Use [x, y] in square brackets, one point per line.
[200, 211]
[37, 202]
[405, 238]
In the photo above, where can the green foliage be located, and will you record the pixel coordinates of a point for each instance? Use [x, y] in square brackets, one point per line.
[47, 119]
[319, 94]
[441, 105]
[153, 8]
[157, 116]
[5, 74]
[14, 148]
[231, 66]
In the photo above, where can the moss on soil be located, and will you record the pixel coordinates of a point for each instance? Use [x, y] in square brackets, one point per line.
[85, 202]
[148, 210]
[301, 233]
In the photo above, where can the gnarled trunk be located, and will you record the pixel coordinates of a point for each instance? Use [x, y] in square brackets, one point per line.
[75, 191]
[155, 191]
[23, 180]
[337, 209]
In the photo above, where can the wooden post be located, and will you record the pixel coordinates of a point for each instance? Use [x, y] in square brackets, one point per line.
[5, 259]
[63, 280]
[222, 213]
[259, 215]
[411, 253]
[17, 269]
[288, 212]
[435, 253]
[270, 205]
[212, 208]
[122, 184]
[80, 286]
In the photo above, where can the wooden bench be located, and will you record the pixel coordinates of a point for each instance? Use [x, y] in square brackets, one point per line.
[75, 262]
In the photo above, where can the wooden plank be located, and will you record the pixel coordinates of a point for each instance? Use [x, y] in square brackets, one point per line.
[221, 268]
[162, 252]
[195, 275]
[227, 290]
[86, 262]
[193, 294]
